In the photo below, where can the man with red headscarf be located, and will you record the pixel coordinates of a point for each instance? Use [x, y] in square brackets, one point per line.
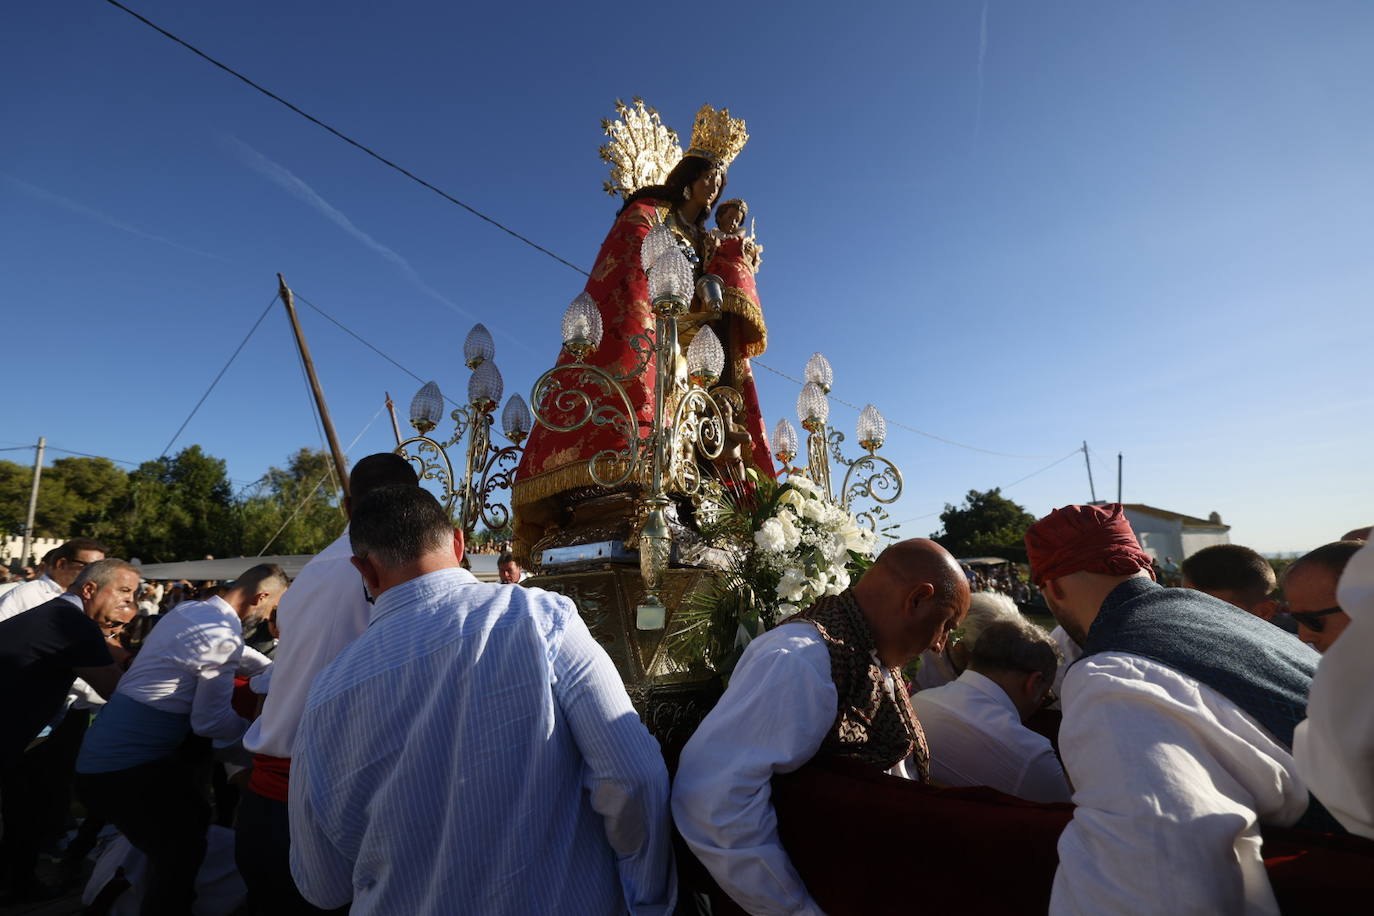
[1177, 734]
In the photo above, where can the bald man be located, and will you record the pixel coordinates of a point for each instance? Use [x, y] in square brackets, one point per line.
[826, 682]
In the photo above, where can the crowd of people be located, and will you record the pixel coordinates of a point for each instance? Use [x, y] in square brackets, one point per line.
[1004, 578]
[406, 739]
[489, 545]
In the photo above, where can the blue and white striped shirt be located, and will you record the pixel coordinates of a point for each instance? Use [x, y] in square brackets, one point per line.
[475, 751]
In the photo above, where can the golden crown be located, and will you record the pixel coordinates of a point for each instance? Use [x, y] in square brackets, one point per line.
[717, 136]
[642, 150]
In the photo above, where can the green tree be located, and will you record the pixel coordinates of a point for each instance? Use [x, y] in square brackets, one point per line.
[77, 497]
[987, 524]
[179, 508]
[83, 497]
[296, 509]
[182, 508]
[15, 482]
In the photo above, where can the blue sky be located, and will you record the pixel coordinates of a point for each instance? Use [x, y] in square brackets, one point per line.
[1014, 225]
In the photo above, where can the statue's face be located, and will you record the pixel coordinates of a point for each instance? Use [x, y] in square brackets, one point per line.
[728, 219]
[706, 188]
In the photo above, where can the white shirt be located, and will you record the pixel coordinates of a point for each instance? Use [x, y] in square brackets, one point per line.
[1171, 780]
[324, 610]
[28, 595]
[976, 739]
[780, 705]
[187, 666]
[936, 670]
[475, 751]
[1334, 746]
[1069, 652]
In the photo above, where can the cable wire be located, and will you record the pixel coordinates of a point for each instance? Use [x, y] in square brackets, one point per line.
[891, 422]
[365, 342]
[237, 351]
[67, 451]
[1076, 451]
[475, 212]
[318, 484]
[344, 137]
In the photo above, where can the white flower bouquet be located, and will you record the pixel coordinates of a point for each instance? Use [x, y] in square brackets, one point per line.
[791, 545]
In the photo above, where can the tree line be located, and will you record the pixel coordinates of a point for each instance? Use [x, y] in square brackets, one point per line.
[184, 507]
[181, 507]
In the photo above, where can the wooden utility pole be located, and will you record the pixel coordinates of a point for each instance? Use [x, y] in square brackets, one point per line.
[1118, 477]
[33, 500]
[1088, 461]
[391, 409]
[339, 465]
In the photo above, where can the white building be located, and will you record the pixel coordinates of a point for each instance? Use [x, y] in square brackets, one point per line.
[12, 547]
[1172, 534]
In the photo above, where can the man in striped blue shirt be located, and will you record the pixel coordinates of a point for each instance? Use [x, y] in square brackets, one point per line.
[474, 750]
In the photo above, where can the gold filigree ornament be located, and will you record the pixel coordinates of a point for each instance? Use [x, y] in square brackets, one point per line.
[642, 150]
[717, 136]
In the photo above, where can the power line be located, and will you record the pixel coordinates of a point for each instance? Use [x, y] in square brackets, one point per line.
[237, 350]
[356, 336]
[1076, 451]
[365, 342]
[344, 137]
[67, 451]
[318, 484]
[449, 197]
[920, 432]
[1044, 469]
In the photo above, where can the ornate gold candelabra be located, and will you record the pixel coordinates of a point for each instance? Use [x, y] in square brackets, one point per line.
[687, 422]
[869, 477]
[487, 467]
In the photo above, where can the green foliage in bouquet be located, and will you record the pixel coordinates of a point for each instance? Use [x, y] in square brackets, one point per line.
[788, 545]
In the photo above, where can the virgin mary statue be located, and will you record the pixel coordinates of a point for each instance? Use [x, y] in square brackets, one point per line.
[556, 500]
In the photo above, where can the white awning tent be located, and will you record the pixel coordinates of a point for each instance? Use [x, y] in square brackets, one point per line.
[222, 570]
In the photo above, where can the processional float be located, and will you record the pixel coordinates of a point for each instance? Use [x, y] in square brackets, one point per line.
[615, 506]
[624, 528]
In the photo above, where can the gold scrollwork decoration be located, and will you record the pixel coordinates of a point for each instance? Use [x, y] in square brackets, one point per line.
[642, 345]
[879, 480]
[834, 437]
[498, 474]
[698, 429]
[553, 395]
[431, 463]
[461, 421]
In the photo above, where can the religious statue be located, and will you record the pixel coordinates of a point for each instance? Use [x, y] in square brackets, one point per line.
[730, 217]
[554, 491]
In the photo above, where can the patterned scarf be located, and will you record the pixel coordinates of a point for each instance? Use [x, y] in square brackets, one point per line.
[869, 725]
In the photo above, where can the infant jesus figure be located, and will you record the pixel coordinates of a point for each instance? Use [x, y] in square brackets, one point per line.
[730, 217]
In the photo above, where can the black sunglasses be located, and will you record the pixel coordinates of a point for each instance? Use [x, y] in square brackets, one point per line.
[1313, 619]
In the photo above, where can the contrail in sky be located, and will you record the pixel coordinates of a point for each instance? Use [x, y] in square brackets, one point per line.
[982, 55]
[282, 176]
[67, 203]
